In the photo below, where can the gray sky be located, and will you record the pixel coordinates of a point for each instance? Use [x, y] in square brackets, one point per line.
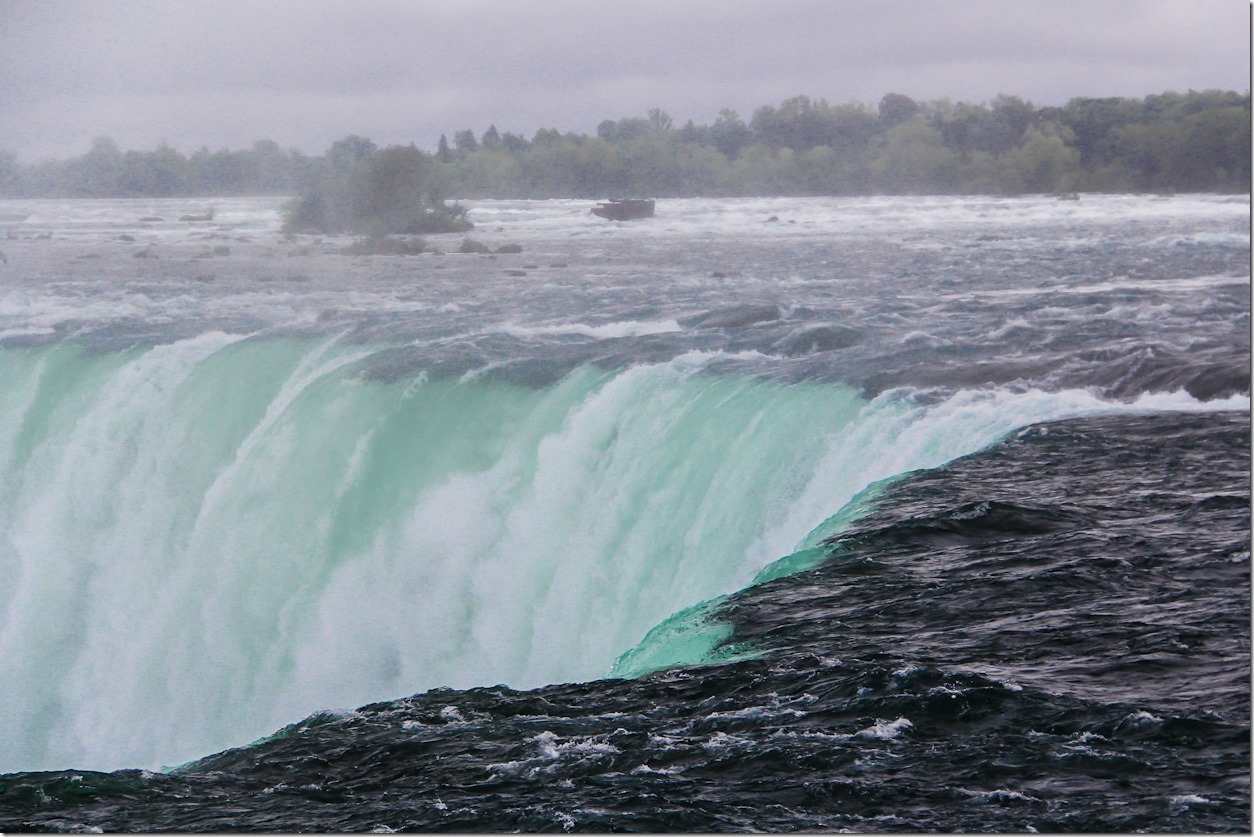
[224, 73]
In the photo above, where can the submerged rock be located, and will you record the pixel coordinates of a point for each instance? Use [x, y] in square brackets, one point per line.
[469, 245]
[737, 316]
[823, 338]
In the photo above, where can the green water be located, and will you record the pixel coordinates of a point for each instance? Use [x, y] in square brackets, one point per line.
[205, 540]
[228, 534]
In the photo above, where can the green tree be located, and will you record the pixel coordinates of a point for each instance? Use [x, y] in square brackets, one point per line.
[514, 143]
[1218, 140]
[363, 190]
[702, 171]
[160, 173]
[798, 123]
[465, 142]
[659, 120]
[852, 127]
[550, 167]
[729, 133]
[98, 173]
[894, 109]
[1043, 162]
[546, 136]
[912, 159]
[1094, 122]
[492, 173]
[1152, 151]
[624, 130]
[271, 169]
[1013, 115]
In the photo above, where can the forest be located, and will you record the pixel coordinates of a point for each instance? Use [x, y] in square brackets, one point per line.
[1172, 142]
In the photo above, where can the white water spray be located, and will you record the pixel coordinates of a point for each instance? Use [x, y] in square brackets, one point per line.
[205, 540]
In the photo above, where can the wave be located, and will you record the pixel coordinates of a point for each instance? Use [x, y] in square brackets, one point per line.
[606, 331]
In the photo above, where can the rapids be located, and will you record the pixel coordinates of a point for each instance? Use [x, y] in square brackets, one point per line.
[245, 479]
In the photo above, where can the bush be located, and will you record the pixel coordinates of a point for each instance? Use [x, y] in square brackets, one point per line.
[365, 191]
[385, 246]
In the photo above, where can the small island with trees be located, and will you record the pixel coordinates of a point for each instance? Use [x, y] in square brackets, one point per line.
[1171, 142]
[363, 190]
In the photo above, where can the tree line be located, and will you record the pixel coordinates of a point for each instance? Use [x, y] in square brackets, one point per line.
[1194, 141]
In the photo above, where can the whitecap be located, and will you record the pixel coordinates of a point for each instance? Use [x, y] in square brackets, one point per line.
[886, 730]
[607, 331]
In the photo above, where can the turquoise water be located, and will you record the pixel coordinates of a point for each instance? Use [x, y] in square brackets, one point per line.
[207, 538]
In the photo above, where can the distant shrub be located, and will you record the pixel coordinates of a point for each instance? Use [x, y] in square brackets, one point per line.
[362, 190]
[385, 246]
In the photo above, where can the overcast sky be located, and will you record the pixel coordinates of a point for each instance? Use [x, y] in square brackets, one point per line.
[224, 73]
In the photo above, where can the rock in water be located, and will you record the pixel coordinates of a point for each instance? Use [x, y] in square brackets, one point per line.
[737, 316]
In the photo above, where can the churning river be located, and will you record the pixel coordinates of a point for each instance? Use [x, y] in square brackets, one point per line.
[870, 514]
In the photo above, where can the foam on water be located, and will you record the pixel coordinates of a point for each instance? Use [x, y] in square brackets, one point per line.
[863, 216]
[606, 331]
[97, 219]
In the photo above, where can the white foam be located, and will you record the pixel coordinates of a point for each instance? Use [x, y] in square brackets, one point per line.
[551, 750]
[886, 730]
[722, 741]
[999, 795]
[607, 331]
